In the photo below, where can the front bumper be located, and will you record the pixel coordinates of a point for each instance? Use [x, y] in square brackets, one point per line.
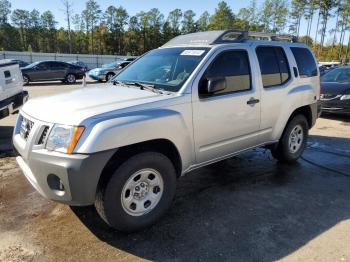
[95, 76]
[11, 104]
[336, 106]
[67, 178]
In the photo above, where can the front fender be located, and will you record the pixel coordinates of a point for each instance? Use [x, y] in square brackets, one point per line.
[140, 126]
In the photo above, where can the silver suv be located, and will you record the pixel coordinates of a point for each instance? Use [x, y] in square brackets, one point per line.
[198, 99]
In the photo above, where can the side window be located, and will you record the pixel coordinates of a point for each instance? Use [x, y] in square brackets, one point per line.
[234, 67]
[43, 66]
[7, 74]
[57, 65]
[273, 65]
[305, 62]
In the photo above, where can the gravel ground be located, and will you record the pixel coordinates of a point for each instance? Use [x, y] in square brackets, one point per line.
[248, 208]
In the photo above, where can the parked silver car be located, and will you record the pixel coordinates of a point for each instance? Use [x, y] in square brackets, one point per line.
[108, 71]
[198, 99]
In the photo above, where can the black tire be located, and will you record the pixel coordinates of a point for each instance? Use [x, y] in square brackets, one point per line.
[284, 150]
[109, 76]
[70, 79]
[109, 198]
[25, 80]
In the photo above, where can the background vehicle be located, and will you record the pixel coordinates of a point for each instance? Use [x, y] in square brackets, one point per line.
[335, 91]
[199, 99]
[323, 69]
[109, 70]
[52, 71]
[20, 63]
[80, 64]
[12, 95]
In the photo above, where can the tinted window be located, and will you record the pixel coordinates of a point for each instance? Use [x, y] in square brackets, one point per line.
[43, 66]
[234, 67]
[57, 65]
[7, 74]
[339, 75]
[305, 61]
[122, 65]
[273, 65]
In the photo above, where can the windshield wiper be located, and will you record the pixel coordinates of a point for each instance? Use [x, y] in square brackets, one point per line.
[117, 82]
[144, 87]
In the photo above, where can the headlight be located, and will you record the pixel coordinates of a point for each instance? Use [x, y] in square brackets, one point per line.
[64, 138]
[345, 97]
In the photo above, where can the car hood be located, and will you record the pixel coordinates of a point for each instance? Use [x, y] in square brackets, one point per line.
[333, 88]
[73, 107]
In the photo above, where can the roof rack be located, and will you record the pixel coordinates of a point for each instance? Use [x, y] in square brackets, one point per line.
[238, 36]
[226, 36]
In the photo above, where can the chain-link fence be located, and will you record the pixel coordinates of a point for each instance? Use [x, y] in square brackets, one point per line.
[92, 61]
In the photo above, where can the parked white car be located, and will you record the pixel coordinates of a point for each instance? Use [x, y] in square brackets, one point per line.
[198, 99]
[12, 95]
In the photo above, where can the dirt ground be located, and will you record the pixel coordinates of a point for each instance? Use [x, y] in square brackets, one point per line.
[248, 208]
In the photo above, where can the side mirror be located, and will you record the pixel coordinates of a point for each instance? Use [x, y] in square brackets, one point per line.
[213, 85]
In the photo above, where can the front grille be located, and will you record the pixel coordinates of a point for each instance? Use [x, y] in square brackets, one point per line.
[26, 127]
[43, 135]
[329, 96]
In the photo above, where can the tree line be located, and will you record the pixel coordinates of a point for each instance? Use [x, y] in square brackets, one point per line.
[115, 31]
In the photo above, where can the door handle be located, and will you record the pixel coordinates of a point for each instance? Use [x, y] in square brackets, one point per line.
[295, 71]
[253, 101]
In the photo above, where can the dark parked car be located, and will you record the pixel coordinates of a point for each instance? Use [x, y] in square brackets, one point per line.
[52, 71]
[335, 91]
[80, 64]
[130, 59]
[20, 62]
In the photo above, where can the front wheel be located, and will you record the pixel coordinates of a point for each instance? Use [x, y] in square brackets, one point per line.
[293, 141]
[138, 193]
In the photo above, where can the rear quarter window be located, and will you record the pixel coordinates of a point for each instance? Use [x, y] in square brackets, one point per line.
[305, 61]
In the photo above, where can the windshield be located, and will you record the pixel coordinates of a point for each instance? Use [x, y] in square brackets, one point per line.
[166, 69]
[339, 75]
[31, 65]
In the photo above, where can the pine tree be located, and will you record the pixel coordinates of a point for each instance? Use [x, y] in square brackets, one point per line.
[223, 18]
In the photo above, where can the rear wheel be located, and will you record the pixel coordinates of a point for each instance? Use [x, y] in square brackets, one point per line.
[71, 79]
[293, 141]
[25, 80]
[138, 193]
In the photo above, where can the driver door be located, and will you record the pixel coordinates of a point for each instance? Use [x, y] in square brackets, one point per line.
[226, 121]
[40, 72]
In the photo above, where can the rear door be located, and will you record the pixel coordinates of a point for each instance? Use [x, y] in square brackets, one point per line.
[58, 70]
[275, 83]
[227, 121]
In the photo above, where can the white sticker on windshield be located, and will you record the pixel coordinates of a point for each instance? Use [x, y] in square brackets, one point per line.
[193, 52]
